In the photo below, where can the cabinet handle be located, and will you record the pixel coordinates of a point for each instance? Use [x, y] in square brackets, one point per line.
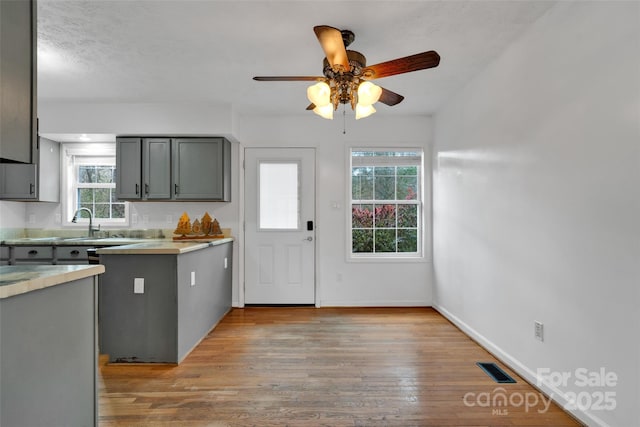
[137, 189]
[146, 189]
[32, 188]
[75, 252]
[176, 188]
[33, 252]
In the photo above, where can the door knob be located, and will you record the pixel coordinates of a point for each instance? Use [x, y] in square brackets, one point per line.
[308, 239]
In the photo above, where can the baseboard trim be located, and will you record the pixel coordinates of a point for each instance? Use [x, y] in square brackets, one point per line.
[522, 370]
[376, 303]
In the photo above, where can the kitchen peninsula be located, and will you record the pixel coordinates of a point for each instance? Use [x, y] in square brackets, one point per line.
[159, 299]
[48, 345]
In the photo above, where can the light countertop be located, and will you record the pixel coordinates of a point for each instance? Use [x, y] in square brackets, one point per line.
[160, 247]
[20, 279]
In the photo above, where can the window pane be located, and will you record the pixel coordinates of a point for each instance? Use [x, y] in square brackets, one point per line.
[117, 210]
[84, 214]
[86, 174]
[385, 216]
[407, 216]
[385, 183]
[362, 216]
[102, 210]
[407, 187]
[105, 174]
[85, 195]
[385, 240]
[279, 200]
[102, 195]
[362, 183]
[407, 240]
[407, 170]
[362, 240]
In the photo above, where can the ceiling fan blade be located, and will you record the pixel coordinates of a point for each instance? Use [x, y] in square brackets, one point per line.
[311, 106]
[331, 41]
[289, 78]
[390, 98]
[419, 61]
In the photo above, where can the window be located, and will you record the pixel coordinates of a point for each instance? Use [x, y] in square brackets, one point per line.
[88, 180]
[279, 200]
[386, 203]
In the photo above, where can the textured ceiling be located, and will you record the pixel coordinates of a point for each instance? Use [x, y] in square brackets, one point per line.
[208, 51]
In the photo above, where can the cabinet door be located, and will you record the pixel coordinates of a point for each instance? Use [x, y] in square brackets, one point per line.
[17, 80]
[156, 168]
[128, 168]
[18, 181]
[201, 168]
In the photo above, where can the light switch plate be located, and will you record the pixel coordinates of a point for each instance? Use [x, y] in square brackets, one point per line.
[193, 278]
[138, 285]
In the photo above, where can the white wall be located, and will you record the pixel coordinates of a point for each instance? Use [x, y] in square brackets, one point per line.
[536, 202]
[12, 214]
[343, 283]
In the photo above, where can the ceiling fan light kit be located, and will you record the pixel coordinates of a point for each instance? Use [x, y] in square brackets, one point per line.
[346, 76]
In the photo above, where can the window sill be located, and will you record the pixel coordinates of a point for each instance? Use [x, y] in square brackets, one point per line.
[384, 260]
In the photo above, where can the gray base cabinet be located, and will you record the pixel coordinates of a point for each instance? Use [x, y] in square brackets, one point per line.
[171, 317]
[48, 362]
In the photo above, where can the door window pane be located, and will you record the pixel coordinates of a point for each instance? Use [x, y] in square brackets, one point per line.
[279, 201]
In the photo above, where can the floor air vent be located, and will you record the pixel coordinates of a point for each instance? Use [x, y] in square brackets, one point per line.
[495, 372]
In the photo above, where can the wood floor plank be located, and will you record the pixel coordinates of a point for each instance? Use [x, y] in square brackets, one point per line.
[331, 366]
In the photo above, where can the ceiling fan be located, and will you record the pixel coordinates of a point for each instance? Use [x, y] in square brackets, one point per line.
[347, 77]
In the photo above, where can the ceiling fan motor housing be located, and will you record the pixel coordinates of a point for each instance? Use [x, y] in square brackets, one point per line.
[344, 84]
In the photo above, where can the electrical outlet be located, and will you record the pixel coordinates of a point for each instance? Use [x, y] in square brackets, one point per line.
[138, 285]
[193, 278]
[538, 330]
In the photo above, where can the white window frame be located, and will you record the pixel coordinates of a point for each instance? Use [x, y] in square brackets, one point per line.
[74, 155]
[418, 256]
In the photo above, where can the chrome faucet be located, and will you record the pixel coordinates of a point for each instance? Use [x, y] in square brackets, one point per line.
[91, 229]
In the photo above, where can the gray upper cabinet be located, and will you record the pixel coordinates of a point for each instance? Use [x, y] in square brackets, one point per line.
[129, 168]
[201, 169]
[18, 124]
[143, 168]
[156, 168]
[18, 181]
[33, 182]
[173, 168]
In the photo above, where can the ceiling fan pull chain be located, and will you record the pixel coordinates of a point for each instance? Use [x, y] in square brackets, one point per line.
[344, 120]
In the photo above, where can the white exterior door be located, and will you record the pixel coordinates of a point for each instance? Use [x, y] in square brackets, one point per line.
[279, 226]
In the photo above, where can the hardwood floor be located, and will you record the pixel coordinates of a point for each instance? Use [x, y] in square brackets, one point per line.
[324, 367]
